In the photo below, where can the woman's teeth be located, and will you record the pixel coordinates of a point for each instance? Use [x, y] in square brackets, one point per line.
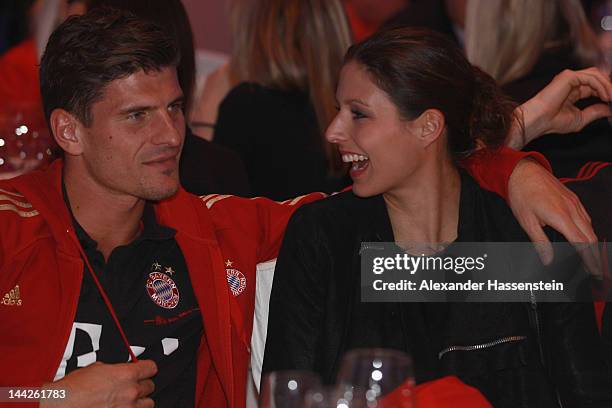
[359, 161]
[348, 158]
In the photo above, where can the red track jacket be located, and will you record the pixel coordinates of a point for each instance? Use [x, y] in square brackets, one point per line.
[39, 254]
[41, 273]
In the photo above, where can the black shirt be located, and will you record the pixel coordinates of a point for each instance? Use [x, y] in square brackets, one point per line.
[276, 134]
[148, 284]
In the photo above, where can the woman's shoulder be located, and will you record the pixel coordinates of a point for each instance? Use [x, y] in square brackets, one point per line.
[337, 213]
[342, 205]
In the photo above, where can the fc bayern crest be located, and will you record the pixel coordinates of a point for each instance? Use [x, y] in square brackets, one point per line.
[236, 281]
[162, 290]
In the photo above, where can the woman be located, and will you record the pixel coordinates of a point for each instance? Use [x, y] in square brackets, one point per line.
[410, 106]
[286, 56]
[523, 43]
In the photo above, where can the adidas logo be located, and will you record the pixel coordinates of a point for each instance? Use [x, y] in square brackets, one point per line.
[12, 298]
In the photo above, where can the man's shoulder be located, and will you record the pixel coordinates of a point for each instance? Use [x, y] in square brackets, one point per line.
[226, 210]
[229, 202]
[21, 223]
[13, 203]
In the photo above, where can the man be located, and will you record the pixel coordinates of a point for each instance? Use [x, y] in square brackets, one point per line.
[105, 260]
[89, 250]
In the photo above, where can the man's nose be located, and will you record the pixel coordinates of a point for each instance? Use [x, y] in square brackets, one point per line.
[171, 130]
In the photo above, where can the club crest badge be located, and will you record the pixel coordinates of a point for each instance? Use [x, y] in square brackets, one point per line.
[235, 279]
[162, 290]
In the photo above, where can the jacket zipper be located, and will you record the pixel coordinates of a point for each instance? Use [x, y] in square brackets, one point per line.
[371, 246]
[509, 339]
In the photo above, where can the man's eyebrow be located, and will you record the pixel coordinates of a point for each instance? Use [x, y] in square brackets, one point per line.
[136, 108]
[146, 108]
[178, 99]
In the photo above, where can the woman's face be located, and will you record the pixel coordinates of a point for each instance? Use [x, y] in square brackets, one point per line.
[381, 147]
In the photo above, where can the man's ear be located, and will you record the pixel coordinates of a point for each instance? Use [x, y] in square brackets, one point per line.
[430, 125]
[67, 131]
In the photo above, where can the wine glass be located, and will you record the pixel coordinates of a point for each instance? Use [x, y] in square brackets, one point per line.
[286, 389]
[377, 378]
[325, 397]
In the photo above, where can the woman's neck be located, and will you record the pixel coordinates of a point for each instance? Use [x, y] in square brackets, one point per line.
[426, 209]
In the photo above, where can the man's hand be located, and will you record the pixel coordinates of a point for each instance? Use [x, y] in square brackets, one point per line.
[100, 385]
[538, 199]
[553, 109]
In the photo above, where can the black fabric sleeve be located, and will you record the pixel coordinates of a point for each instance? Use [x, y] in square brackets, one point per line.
[297, 302]
[606, 335]
[575, 351]
[575, 354]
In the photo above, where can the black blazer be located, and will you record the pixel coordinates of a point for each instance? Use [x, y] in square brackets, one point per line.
[316, 314]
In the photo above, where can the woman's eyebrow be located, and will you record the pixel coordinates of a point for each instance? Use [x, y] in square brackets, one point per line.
[359, 101]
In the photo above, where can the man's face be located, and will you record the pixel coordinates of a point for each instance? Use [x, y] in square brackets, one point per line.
[133, 144]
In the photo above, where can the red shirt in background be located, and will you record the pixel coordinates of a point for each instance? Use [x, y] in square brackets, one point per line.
[361, 29]
[19, 73]
[26, 143]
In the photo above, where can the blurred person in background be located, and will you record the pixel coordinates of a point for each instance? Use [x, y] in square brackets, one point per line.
[204, 167]
[25, 143]
[600, 13]
[13, 13]
[523, 44]
[286, 56]
[444, 16]
[367, 16]
[364, 17]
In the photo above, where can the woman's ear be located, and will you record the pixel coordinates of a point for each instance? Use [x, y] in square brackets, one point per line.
[429, 126]
[67, 131]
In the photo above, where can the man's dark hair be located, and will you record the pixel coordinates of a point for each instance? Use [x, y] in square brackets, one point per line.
[172, 17]
[86, 53]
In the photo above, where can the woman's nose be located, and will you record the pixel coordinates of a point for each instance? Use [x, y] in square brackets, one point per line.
[335, 131]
